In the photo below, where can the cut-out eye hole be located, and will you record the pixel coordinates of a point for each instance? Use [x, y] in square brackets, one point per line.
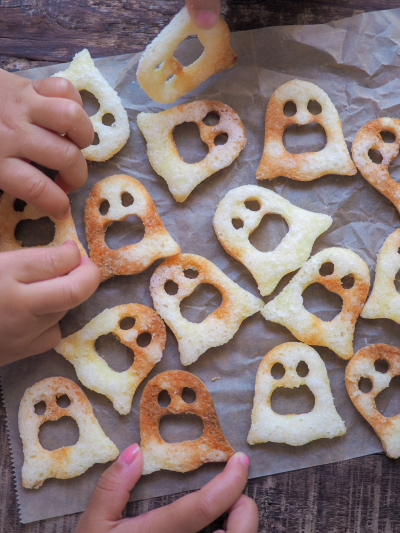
[237, 223]
[144, 339]
[63, 401]
[327, 269]
[381, 365]
[171, 287]
[252, 205]
[40, 408]
[127, 323]
[179, 428]
[104, 207]
[96, 139]
[19, 205]
[302, 369]
[164, 399]
[278, 371]
[290, 109]
[126, 199]
[190, 273]
[108, 119]
[38, 232]
[365, 385]
[90, 103]
[221, 139]
[375, 156]
[117, 355]
[347, 281]
[188, 395]
[60, 433]
[388, 136]
[314, 107]
[211, 119]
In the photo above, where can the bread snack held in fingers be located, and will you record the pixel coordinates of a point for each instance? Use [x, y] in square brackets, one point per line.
[322, 421]
[376, 365]
[348, 277]
[268, 268]
[92, 447]
[276, 161]
[132, 258]
[163, 154]
[188, 271]
[127, 322]
[211, 447]
[83, 73]
[14, 211]
[380, 139]
[162, 76]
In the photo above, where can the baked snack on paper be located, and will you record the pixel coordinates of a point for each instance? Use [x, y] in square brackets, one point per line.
[288, 309]
[164, 157]
[93, 371]
[322, 421]
[276, 161]
[83, 73]
[384, 300]
[161, 75]
[93, 445]
[268, 268]
[364, 366]
[221, 325]
[133, 258]
[211, 447]
[377, 174]
[10, 217]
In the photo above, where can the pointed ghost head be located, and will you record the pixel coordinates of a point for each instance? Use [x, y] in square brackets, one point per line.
[94, 372]
[92, 447]
[84, 75]
[187, 271]
[181, 177]
[276, 161]
[364, 365]
[268, 268]
[322, 421]
[161, 75]
[133, 258]
[288, 309]
[190, 454]
[13, 211]
[382, 135]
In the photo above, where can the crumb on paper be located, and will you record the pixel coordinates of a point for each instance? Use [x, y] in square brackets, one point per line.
[215, 379]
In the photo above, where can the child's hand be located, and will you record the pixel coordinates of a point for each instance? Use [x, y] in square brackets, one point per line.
[37, 288]
[204, 13]
[33, 114]
[187, 515]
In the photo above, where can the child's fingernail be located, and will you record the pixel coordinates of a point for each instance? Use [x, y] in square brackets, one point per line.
[242, 457]
[69, 241]
[206, 19]
[129, 455]
[67, 214]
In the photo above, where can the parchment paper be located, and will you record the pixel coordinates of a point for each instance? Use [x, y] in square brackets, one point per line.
[357, 62]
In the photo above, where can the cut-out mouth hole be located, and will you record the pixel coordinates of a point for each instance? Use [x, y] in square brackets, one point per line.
[38, 232]
[314, 107]
[96, 139]
[278, 371]
[375, 156]
[296, 401]
[327, 269]
[394, 168]
[189, 50]
[211, 119]
[62, 432]
[190, 273]
[365, 385]
[252, 205]
[108, 119]
[171, 287]
[188, 395]
[127, 323]
[104, 207]
[178, 428]
[221, 139]
[289, 109]
[302, 369]
[188, 142]
[125, 232]
[322, 303]
[63, 401]
[40, 408]
[237, 223]
[164, 399]
[144, 339]
[388, 401]
[202, 302]
[269, 233]
[397, 281]
[126, 199]
[387, 136]
[381, 365]
[19, 205]
[90, 103]
[118, 356]
[347, 282]
[305, 138]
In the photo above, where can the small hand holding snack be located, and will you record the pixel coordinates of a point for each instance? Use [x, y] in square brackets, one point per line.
[186, 515]
[204, 13]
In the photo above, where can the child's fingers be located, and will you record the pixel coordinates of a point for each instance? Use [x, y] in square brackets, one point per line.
[243, 517]
[63, 293]
[204, 13]
[58, 88]
[45, 341]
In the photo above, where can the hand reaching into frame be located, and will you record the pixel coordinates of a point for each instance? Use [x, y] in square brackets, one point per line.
[204, 13]
[186, 515]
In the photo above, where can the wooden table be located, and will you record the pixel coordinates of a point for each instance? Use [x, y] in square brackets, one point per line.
[356, 496]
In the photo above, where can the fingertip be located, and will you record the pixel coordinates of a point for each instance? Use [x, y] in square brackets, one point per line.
[205, 20]
[239, 458]
[129, 455]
